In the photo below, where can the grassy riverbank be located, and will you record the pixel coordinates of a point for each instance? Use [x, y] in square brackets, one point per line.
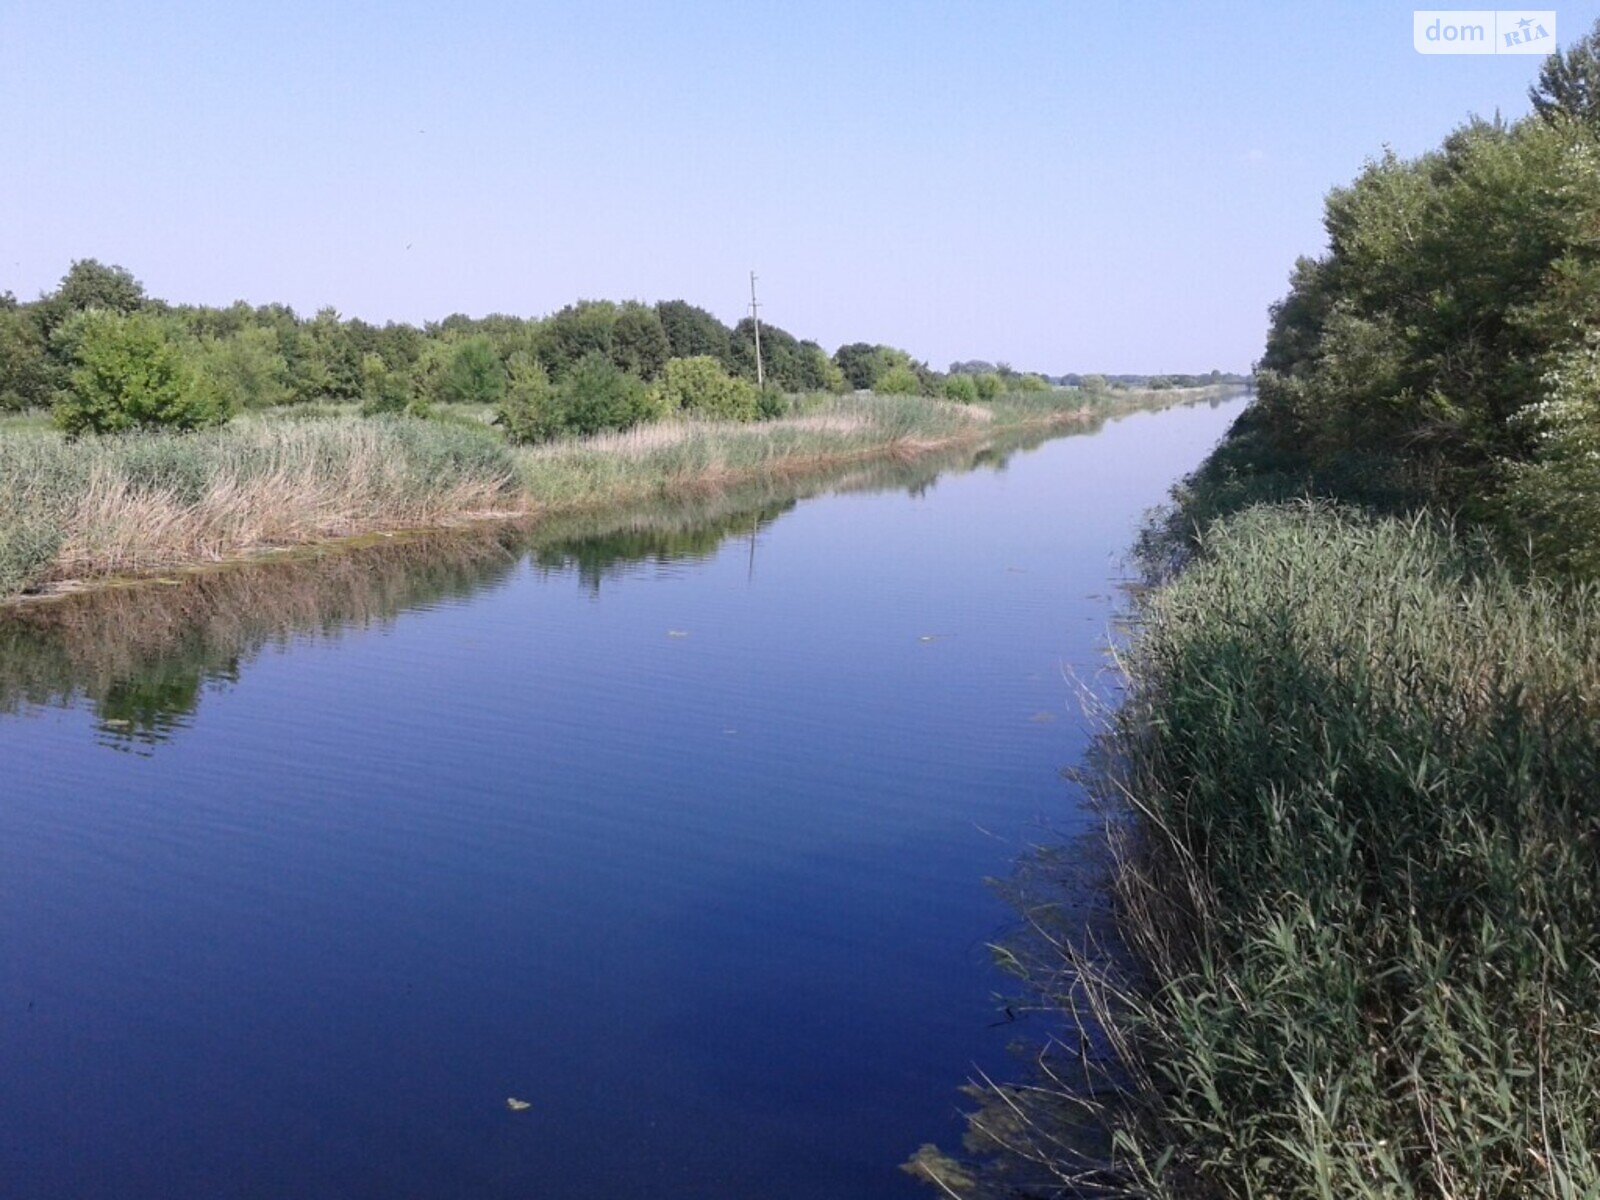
[1354, 947]
[1349, 943]
[96, 507]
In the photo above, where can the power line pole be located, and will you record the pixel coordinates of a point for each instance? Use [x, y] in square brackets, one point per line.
[755, 316]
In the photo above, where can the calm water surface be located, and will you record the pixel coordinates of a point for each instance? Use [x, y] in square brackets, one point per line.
[680, 837]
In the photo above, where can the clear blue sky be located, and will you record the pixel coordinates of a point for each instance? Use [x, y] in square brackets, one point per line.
[1063, 186]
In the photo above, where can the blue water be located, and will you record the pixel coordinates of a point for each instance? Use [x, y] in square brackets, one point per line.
[688, 853]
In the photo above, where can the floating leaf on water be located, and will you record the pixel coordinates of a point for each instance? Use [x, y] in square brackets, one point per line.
[677, 633]
[516, 1105]
[934, 637]
[1042, 717]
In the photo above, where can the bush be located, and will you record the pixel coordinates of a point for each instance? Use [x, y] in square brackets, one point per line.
[898, 380]
[700, 386]
[532, 411]
[772, 403]
[963, 389]
[989, 386]
[472, 374]
[128, 374]
[598, 395]
[384, 390]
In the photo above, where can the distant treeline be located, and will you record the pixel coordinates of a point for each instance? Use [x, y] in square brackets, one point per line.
[1095, 381]
[83, 346]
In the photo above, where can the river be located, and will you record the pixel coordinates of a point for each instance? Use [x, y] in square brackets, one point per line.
[676, 831]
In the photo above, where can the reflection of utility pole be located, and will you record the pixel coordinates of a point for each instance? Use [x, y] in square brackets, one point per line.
[755, 316]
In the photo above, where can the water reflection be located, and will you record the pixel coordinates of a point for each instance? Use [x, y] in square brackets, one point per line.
[143, 656]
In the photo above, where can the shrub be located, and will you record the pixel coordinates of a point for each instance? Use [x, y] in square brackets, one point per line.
[989, 385]
[386, 391]
[898, 380]
[772, 403]
[1555, 497]
[700, 386]
[532, 411]
[247, 367]
[598, 395]
[128, 374]
[963, 389]
[472, 374]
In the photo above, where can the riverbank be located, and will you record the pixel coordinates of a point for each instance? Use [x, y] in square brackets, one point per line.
[1352, 945]
[104, 508]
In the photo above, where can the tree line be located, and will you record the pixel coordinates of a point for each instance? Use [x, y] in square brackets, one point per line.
[105, 356]
[1447, 344]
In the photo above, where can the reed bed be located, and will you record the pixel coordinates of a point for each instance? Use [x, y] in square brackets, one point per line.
[1357, 886]
[103, 506]
[107, 506]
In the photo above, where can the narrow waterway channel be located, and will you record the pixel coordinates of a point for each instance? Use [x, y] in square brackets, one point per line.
[677, 833]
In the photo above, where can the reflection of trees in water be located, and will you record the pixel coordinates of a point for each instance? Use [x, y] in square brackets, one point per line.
[142, 656]
[599, 556]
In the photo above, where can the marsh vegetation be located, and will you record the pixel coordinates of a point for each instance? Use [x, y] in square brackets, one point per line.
[1350, 942]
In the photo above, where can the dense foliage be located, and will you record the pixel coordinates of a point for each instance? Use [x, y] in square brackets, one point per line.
[699, 385]
[244, 358]
[1452, 328]
[128, 374]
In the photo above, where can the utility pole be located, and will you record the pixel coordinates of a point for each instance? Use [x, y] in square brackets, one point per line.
[755, 316]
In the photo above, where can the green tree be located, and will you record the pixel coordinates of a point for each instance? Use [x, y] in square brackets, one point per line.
[693, 332]
[386, 389]
[815, 371]
[1555, 494]
[532, 410]
[857, 362]
[128, 374]
[788, 364]
[822, 368]
[898, 380]
[28, 375]
[639, 342]
[598, 395]
[1569, 82]
[90, 284]
[989, 385]
[576, 331]
[700, 386]
[247, 367]
[332, 362]
[472, 374]
[961, 388]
